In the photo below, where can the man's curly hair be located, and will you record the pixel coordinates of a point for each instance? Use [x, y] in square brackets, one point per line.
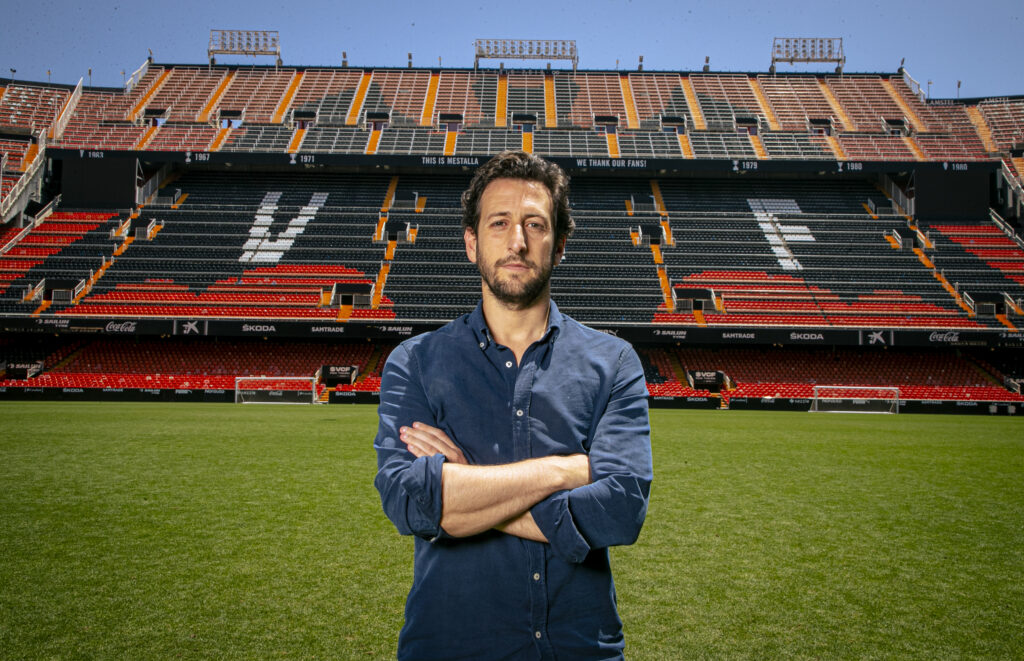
[521, 165]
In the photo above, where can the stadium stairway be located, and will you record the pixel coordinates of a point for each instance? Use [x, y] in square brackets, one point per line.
[357, 103]
[296, 141]
[632, 118]
[692, 104]
[984, 132]
[286, 100]
[150, 93]
[204, 114]
[427, 116]
[550, 108]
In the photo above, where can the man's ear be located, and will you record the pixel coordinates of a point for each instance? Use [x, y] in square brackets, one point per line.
[469, 236]
[559, 251]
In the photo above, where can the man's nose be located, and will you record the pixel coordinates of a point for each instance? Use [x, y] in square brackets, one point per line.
[517, 239]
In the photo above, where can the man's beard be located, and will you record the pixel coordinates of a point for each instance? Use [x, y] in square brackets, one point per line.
[517, 293]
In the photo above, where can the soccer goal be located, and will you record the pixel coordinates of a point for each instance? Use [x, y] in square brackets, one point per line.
[856, 399]
[276, 390]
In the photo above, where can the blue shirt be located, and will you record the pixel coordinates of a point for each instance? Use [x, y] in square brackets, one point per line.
[493, 595]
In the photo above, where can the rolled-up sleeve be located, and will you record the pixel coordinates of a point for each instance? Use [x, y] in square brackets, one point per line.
[409, 487]
[609, 511]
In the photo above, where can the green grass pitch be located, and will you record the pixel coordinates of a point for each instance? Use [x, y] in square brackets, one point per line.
[153, 531]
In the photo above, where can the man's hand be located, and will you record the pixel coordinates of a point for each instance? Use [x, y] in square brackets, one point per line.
[425, 441]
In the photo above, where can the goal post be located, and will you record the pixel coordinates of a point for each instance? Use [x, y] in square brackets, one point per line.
[856, 399]
[276, 390]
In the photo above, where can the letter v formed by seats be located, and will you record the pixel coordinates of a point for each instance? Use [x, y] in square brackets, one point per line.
[266, 248]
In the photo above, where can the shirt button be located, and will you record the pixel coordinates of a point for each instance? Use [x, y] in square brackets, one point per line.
[536, 576]
[536, 634]
[519, 413]
[482, 345]
[508, 363]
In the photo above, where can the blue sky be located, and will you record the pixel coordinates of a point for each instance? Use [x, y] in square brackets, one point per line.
[978, 43]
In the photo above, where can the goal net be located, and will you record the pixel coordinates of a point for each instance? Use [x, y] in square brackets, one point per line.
[856, 399]
[276, 390]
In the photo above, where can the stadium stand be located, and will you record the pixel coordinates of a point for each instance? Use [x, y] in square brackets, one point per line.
[399, 94]
[768, 372]
[996, 257]
[326, 95]
[656, 96]
[471, 96]
[178, 363]
[182, 137]
[13, 160]
[772, 209]
[15, 151]
[764, 372]
[100, 122]
[582, 98]
[31, 107]
[724, 99]
[796, 100]
[185, 93]
[1005, 122]
[254, 95]
[868, 147]
[866, 101]
[527, 96]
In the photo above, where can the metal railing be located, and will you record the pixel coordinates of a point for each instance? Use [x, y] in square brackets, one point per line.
[1007, 229]
[898, 196]
[915, 87]
[143, 192]
[1012, 303]
[136, 77]
[39, 218]
[1012, 181]
[48, 209]
[61, 123]
[8, 202]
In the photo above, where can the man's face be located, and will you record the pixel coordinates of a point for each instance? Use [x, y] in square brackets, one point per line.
[514, 243]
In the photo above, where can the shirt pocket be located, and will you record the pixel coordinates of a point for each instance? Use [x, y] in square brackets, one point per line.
[561, 415]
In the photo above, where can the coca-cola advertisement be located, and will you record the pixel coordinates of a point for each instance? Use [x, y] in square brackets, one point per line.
[121, 327]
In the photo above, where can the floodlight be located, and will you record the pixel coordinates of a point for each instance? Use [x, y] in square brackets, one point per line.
[526, 49]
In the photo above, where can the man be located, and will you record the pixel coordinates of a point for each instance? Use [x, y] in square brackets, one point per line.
[514, 443]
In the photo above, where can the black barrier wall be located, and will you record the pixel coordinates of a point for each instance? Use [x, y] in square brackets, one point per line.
[640, 334]
[100, 182]
[955, 192]
[352, 397]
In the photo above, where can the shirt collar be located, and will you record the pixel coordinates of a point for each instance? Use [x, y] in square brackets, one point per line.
[478, 324]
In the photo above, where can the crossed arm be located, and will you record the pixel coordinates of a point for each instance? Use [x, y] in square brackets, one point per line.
[478, 498]
[575, 502]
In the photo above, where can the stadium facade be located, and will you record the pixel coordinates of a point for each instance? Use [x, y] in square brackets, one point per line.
[754, 234]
